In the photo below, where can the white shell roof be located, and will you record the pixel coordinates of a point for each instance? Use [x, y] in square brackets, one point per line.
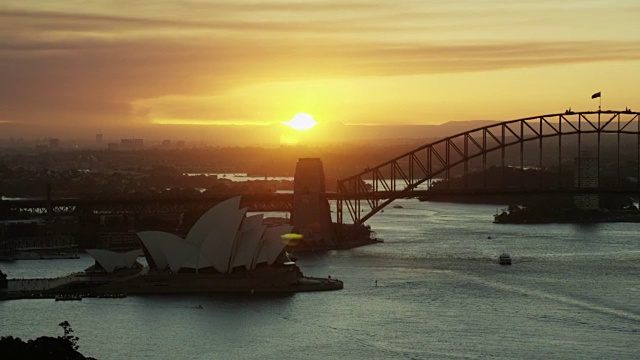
[179, 253]
[247, 241]
[272, 244]
[155, 242]
[111, 260]
[217, 246]
[222, 238]
[202, 227]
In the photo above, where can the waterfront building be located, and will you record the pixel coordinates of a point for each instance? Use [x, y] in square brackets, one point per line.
[225, 251]
[224, 239]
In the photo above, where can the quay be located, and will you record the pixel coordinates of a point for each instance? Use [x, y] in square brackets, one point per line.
[80, 286]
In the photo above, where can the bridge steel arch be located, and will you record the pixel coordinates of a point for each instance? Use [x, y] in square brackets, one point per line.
[400, 176]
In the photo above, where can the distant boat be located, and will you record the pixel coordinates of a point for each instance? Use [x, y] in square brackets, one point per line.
[113, 296]
[398, 207]
[504, 259]
[68, 297]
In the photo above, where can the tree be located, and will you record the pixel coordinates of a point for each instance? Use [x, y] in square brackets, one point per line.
[43, 348]
[68, 335]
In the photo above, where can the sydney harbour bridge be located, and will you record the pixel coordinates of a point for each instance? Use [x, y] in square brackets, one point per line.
[583, 145]
[588, 152]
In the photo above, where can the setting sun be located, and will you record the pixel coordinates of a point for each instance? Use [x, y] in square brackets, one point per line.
[301, 121]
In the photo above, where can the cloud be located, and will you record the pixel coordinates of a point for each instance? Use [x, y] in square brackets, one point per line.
[392, 59]
[61, 64]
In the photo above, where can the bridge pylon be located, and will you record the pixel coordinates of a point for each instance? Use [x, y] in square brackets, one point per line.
[311, 215]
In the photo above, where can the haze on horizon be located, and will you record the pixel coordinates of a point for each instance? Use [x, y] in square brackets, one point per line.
[169, 67]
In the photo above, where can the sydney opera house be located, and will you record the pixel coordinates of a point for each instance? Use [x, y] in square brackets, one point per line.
[224, 251]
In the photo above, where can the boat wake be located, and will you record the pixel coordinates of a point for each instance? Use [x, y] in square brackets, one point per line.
[555, 297]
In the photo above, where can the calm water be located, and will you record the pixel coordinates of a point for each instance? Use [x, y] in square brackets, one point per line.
[572, 292]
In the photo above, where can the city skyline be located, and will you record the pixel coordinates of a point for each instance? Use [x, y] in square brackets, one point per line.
[160, 68]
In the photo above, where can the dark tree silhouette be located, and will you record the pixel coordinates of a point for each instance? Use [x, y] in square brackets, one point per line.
[43, 348]
[68, 335]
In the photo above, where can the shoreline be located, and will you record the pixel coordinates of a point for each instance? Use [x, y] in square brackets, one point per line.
[524, 215]
[268, 281]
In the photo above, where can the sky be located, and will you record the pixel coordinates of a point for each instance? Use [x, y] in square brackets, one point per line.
[97, 65]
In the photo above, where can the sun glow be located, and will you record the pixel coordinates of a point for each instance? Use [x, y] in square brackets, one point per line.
[301, 122]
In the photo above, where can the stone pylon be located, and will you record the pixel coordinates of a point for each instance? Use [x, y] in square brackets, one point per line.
[311, 215]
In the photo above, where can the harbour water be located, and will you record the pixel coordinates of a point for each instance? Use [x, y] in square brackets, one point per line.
[432, 290]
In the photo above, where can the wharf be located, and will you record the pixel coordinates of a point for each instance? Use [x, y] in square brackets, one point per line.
[186, 284]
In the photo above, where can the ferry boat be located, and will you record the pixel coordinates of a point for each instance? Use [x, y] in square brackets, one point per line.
[504, 259]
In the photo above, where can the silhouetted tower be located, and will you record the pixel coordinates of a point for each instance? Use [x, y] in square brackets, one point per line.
[311, 215]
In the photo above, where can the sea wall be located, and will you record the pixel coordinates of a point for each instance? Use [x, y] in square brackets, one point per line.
[18, 285]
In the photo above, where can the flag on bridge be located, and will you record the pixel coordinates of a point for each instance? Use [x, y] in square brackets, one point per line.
[596, 95]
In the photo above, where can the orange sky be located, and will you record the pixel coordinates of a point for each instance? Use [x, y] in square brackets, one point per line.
[98, 65]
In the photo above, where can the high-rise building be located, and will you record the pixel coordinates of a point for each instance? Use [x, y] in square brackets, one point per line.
[586, 177]
[99, 139]
[126, 144]
[131, 144]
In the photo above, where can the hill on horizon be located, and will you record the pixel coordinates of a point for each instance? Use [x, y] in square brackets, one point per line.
[238, 135]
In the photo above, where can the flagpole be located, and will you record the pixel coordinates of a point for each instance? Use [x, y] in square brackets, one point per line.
[599, 96]
[600, 102]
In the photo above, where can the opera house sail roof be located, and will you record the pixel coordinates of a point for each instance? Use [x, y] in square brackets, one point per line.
[224, 239]
[111, 261]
